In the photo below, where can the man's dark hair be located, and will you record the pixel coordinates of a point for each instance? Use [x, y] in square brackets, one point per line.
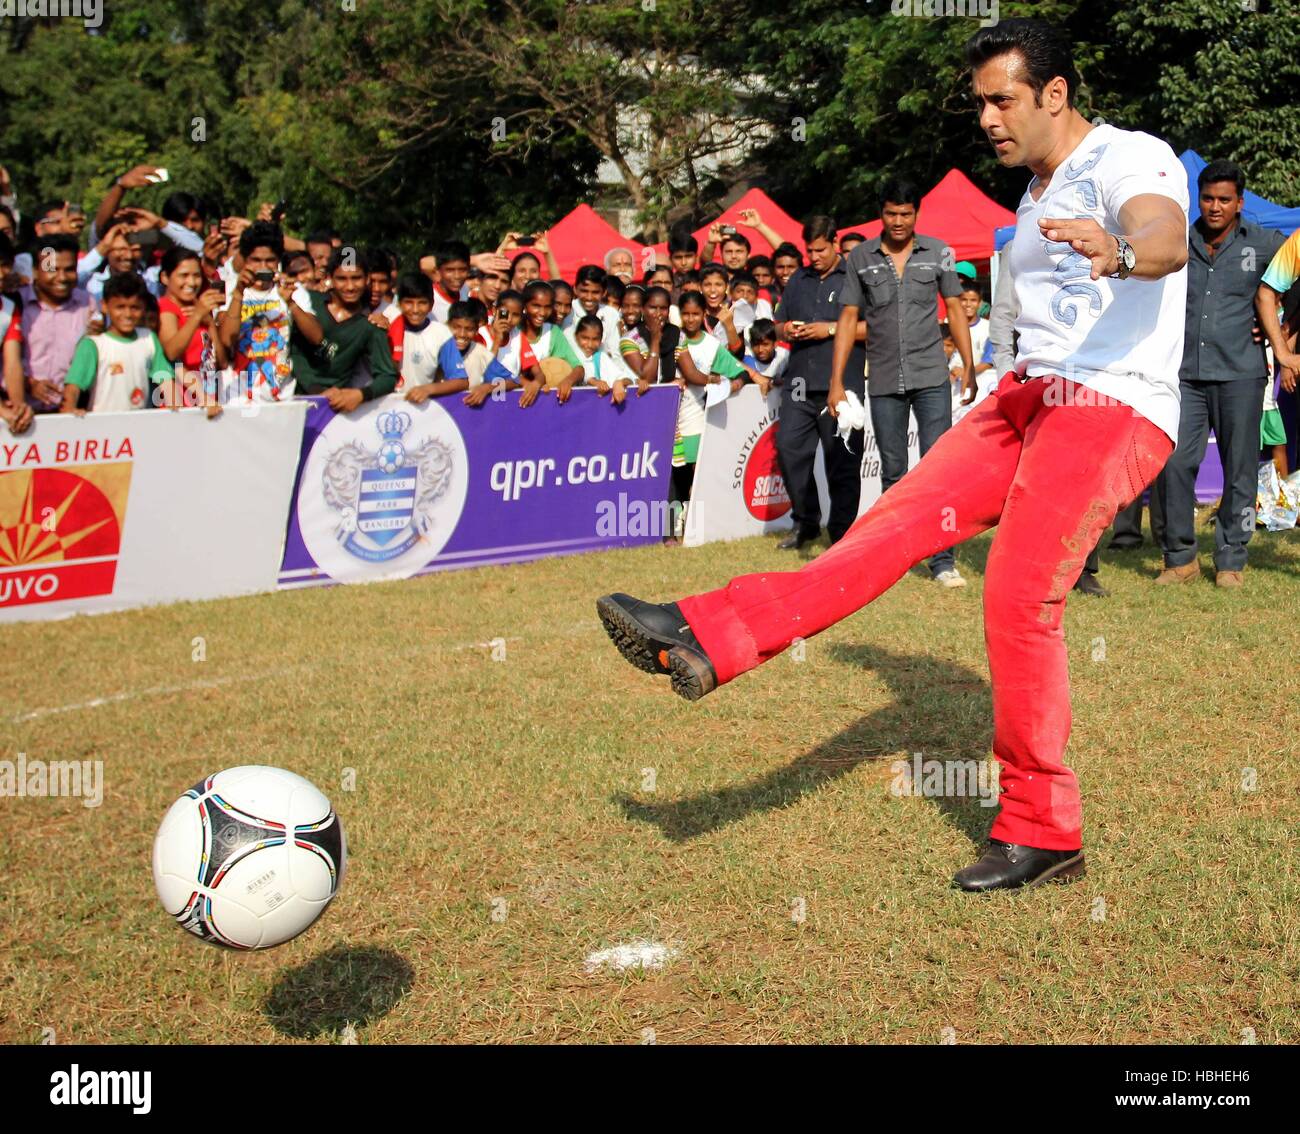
[855, 237]
[261, 234]
[288, 260]
[57, 242]
[7, 250]
[1222, 170]
[381, 259]
[125, 286]
[614, 288]
[900, 191]
[1044, 48]
[173, 258]
[755, 262]
[694, 275]
[818, 228]
[680, 240]
[590, 273]
[741, 278]
[786, 249]
[179, 206]
[589, 323]
[45, 209]
[735, 238]
[462, 309]
[968, 284]
[320, 236]
[415, 285]
[535, 288]
[761, 329]
[345, 256]
[712, 270]
[450, 251]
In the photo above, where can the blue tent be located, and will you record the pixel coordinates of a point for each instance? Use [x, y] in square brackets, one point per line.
[1257, 209]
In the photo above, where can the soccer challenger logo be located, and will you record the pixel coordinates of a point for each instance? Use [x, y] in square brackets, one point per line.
[391, 488]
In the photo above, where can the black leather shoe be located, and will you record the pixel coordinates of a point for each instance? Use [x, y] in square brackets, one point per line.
[1088, 585]
[1006, 866]
[795, 540]
[655, 637]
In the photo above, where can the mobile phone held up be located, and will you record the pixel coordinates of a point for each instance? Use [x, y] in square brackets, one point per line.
[526, 241]
[277, 214]
[264, 280]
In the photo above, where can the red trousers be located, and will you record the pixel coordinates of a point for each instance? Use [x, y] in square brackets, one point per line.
[1049, 463]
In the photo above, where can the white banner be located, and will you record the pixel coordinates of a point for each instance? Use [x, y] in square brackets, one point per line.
[738, 489]
[117, 510]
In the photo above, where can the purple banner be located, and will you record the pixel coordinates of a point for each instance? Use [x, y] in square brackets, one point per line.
[397, 489]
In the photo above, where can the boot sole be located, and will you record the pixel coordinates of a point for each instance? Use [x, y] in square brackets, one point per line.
[1071, 870]
[692, 676]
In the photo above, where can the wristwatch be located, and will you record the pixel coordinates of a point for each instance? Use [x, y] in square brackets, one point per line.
[1127, 259]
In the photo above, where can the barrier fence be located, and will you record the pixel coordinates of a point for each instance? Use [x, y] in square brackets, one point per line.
[114, 511]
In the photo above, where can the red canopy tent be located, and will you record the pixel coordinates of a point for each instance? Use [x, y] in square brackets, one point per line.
[769, 212]
[583, 237]
[958, 213]
[772, 215]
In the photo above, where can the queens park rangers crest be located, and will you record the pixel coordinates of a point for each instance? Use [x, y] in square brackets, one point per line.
[385, 497]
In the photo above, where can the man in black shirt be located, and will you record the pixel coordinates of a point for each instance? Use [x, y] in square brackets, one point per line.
[807, 318]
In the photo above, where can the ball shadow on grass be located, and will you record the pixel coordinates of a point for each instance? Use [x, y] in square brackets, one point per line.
[340, 987]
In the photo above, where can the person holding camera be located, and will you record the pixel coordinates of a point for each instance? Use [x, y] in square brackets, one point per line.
[260, 315]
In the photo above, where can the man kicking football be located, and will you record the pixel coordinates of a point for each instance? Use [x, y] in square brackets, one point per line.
[1075, 433]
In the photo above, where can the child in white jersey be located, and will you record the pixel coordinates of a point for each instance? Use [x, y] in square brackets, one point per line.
[606, 372]
[414, 337]
[462, 360]
[765, 355]
[118, 365]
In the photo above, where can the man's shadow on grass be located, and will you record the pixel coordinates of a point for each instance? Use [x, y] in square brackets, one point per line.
[939, 708]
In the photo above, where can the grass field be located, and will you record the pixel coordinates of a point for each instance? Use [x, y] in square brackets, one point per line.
[502, 826]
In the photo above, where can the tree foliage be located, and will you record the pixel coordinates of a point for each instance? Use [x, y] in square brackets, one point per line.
[399, 123]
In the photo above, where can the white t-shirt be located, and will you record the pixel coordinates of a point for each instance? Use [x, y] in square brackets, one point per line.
[263, 367]
[442, 302]
[420, 351]
[603, 366]
[610, 318]
[124, 369]
[775, 367]
[1121, 338]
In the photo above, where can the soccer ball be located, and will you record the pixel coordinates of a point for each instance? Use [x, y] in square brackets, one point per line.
[249, 858]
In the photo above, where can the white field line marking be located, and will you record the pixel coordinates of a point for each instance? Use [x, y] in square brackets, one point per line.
[219, 682]
[634, 955]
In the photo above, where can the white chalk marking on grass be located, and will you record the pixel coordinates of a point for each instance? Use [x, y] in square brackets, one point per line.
[217, 683]
[634, 955]
[131, 695]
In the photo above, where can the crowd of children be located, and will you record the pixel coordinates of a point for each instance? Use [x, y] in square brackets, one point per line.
[184, 309]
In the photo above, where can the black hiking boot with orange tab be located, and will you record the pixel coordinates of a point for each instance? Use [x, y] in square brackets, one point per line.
[655, 637]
